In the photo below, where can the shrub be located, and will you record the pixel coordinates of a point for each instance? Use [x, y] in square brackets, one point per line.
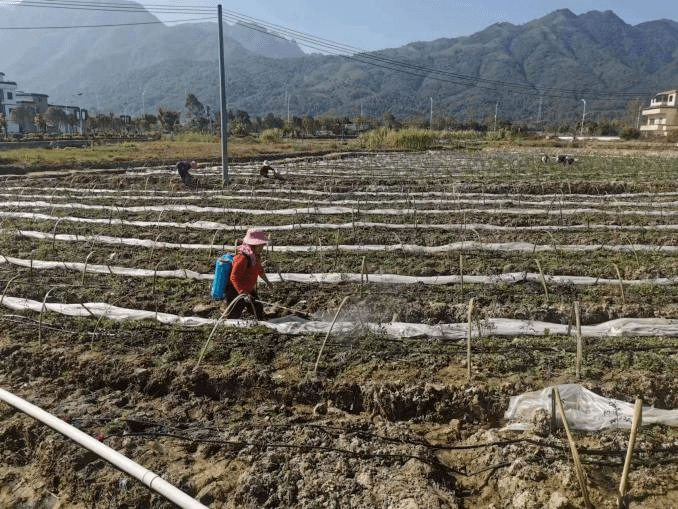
[189, 137]
[629, 133]
[270, 135]
[405, 139]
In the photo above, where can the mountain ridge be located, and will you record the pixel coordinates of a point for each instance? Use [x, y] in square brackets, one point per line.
[538, 71]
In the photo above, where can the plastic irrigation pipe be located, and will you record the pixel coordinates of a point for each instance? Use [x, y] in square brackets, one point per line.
[150, 479]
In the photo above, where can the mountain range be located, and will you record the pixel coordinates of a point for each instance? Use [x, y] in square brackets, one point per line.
[546, 70]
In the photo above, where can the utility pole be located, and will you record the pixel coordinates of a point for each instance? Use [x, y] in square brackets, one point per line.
[224, 112]
[430, 122]
[496, 108]
[581, 133]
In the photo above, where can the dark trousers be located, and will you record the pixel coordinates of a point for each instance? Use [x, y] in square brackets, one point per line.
[182, 168]
[231, 293]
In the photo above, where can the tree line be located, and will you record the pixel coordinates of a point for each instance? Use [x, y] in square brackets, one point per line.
[199, 118]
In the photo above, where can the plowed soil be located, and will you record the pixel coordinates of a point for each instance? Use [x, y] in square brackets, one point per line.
[263, 420]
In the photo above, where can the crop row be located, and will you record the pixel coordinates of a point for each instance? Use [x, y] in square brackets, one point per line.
[430, 215]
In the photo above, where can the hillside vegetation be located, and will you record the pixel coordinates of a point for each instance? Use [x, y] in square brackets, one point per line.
[535, 73]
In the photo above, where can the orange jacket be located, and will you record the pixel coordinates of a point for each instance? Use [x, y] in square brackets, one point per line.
[243, 274]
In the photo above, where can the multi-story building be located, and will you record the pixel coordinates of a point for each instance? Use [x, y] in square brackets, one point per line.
[36, 104]
[8, 103]
[662, 115]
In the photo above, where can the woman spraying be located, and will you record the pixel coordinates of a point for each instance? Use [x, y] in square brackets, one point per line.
[246, 269]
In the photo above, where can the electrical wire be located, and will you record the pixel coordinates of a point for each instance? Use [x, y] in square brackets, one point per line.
[375, 59]
[110, 25]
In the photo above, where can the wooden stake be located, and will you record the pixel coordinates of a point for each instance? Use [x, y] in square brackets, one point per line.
[623, 499]
[621, 284]
[7, 286]
[322, 347]
[580, 345]
[553, 409]
[84, 270]
[362, 275]
[42, 310]
[461, 274]
[543, 282]
[573, 449]
[468, 342]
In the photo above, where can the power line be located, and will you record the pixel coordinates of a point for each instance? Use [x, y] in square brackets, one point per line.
[378, 60]
[375, 59]
[110, 25]
[107, 6]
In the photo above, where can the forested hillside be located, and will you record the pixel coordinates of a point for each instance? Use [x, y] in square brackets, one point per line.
[544, 71]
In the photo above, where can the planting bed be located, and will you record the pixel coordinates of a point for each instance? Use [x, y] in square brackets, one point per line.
[106, 322]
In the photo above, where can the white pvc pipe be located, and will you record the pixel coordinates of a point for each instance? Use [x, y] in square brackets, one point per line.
[150, 479]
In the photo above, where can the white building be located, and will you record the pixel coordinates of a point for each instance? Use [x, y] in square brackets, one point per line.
[37, 104]
[8, 103]
[662, 115]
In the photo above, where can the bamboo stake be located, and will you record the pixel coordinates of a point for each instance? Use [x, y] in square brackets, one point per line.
[623, 499]
[54, 231]
[84, 270]
[225, 313]
[580, 346]
[96, 326]
[468, 341]
[42, 310]
[155, 242]
[212, 244]
[7, 286]
[155, 277]
[320, 250]
[543, 281]
[621, 283]
[461, 274]
[553, 409]
[322, 347]
[575, 455]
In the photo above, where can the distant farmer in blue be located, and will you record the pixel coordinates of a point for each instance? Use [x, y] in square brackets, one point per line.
[183, 168]
[246, 269]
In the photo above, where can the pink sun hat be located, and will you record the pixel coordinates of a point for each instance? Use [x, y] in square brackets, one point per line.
[255, 236]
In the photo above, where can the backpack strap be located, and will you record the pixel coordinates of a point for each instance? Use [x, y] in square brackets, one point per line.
[249, 260]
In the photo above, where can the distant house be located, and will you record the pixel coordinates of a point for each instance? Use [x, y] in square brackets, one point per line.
[8, 102]
[11, 99]
[662, 115]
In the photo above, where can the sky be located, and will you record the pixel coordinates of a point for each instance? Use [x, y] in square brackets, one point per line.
[378, 24]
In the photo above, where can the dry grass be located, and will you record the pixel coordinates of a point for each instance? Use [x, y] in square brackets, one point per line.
[201, 149]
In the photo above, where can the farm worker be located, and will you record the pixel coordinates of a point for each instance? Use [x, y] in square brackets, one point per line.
[246, 268]
[183, 167]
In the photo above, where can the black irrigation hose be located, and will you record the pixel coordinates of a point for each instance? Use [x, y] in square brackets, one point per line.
[370, 435]
[307, 448]
[404, 457]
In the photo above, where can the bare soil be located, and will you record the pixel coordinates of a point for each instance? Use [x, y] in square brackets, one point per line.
[381, 422]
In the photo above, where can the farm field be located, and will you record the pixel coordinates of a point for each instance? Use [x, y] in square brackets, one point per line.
[361, 390]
